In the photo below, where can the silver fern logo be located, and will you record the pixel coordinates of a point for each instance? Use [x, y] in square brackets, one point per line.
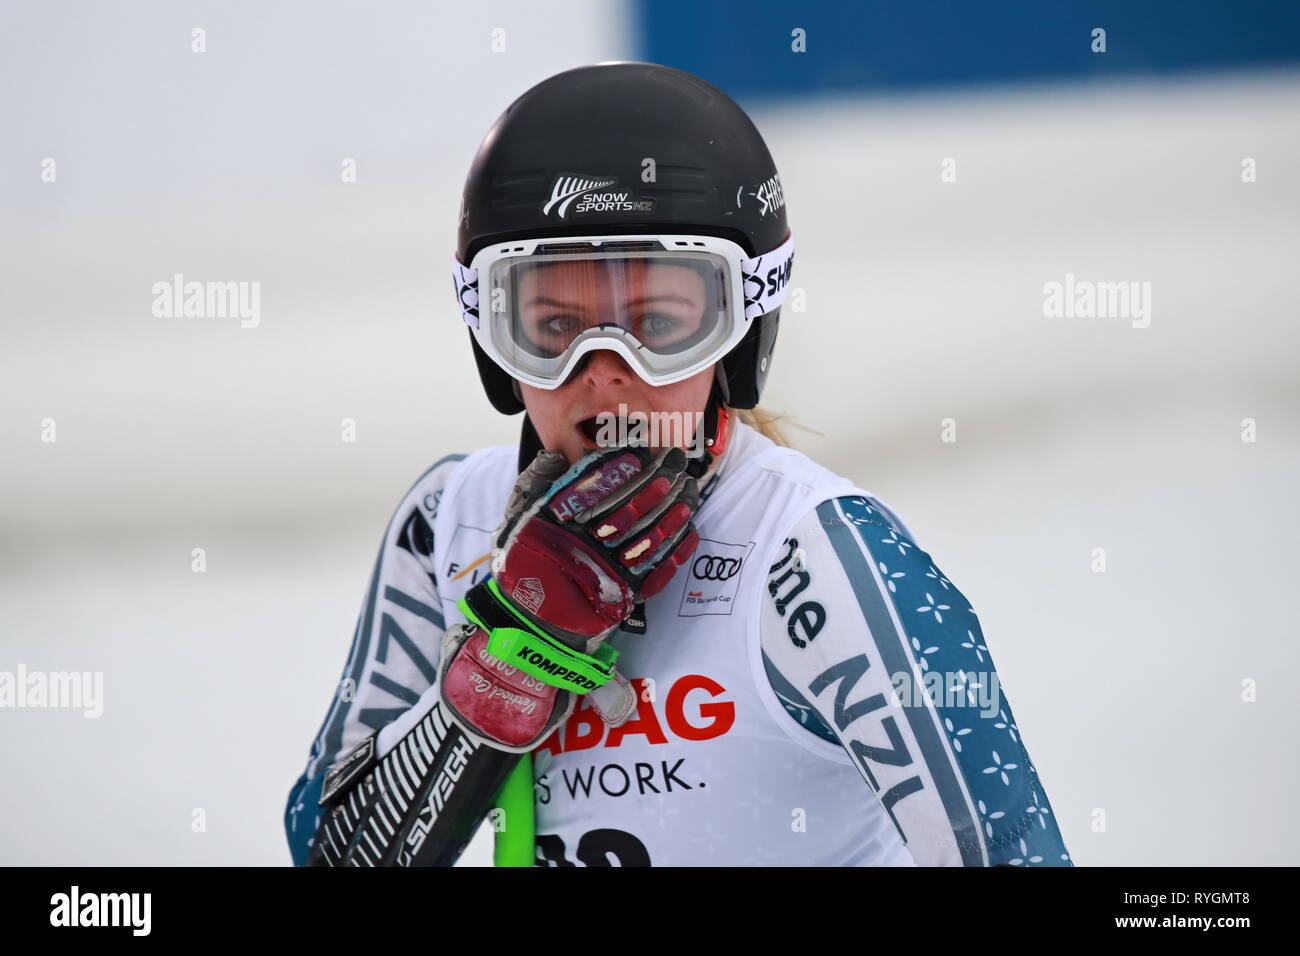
[581, 195]
[568, 188]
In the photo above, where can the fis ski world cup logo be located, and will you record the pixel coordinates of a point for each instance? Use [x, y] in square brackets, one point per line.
[714, 578]
[578, 195]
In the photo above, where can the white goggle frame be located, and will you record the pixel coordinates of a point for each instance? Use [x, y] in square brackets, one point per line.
[761, 283]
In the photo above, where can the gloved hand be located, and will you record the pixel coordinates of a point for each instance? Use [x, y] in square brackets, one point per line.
[577, 550]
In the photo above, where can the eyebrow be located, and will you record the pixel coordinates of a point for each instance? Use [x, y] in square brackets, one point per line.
[640, 300]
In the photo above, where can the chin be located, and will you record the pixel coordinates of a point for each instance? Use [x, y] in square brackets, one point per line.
[577, 446]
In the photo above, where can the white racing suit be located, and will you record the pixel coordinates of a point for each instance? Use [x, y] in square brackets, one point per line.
[812, 689]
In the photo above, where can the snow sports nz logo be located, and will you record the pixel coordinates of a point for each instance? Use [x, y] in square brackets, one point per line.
[579, 194]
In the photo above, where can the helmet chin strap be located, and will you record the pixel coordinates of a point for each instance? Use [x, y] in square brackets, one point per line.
[530, 443]
[716, 430]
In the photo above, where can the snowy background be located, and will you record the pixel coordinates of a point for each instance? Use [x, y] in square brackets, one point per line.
[924, 303]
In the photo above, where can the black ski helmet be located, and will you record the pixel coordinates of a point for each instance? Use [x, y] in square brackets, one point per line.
[674, 139]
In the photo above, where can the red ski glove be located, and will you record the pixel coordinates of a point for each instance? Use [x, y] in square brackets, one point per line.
[577, 550]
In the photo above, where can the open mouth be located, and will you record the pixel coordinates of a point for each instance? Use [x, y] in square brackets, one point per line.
[591, 429]
[604, 430]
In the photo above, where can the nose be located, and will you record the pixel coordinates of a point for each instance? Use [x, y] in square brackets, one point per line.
[604, 367]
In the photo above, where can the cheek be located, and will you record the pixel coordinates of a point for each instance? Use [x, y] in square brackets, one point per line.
[550, 413]
[542, 406]
[694, 392]
[690, 396]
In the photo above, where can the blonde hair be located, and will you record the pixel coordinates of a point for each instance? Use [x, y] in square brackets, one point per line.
[769, 423]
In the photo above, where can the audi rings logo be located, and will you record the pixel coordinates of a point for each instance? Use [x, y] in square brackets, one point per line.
[711, 567]
[714, 582]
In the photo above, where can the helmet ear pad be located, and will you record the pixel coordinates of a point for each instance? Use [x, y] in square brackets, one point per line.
[497, 382]
[747, 365]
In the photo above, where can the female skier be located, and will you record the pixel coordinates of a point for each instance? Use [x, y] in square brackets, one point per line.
[709, 649]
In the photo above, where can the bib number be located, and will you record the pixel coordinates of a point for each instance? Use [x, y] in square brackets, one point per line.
[595, 848]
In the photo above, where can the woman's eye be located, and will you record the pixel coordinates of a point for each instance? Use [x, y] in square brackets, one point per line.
[558, 325]
[658, 324]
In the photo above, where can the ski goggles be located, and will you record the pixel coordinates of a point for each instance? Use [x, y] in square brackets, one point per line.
[670, 305]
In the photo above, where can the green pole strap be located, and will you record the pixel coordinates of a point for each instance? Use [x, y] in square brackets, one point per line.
[550, 663]
[515, 825]
[541, 656]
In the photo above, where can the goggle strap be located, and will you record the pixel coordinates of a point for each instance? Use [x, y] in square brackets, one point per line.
[766, 279]
[466, 282]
